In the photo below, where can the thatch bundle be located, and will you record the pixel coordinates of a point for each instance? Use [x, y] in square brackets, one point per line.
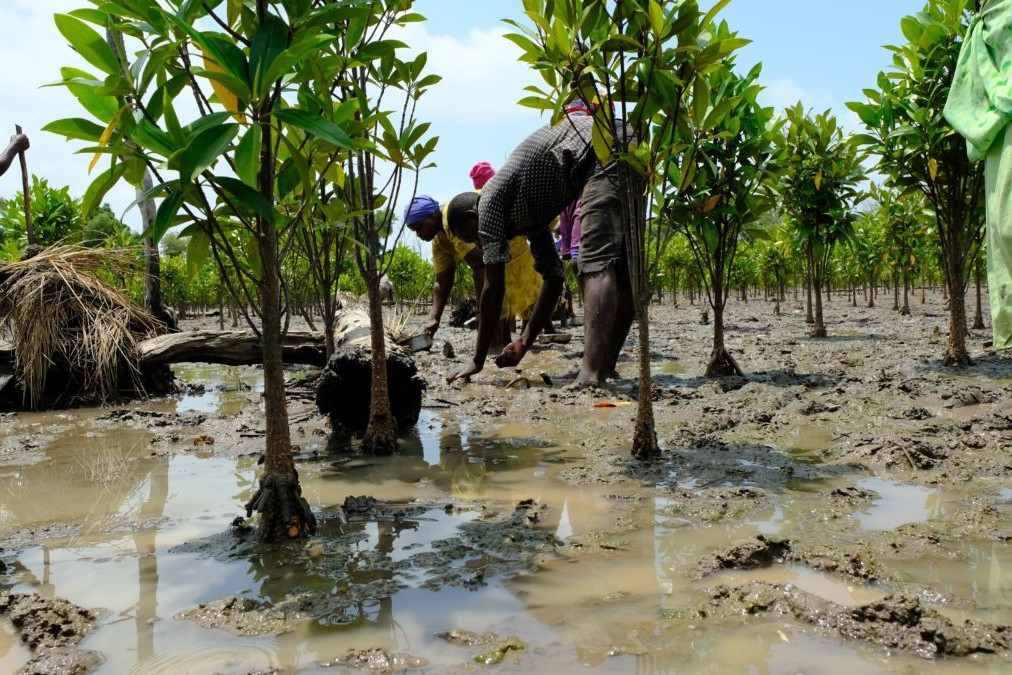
[74, 335]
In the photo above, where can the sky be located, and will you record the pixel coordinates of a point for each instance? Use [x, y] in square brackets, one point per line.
[819, 52]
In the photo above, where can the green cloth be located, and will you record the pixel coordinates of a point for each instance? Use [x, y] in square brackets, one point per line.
[980, 100]
[998, 192]
[979, 107]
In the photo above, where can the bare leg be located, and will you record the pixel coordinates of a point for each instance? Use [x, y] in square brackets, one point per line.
[600, 301]
[624, 314]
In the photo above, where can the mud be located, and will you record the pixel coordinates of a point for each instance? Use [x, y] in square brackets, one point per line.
[51, 629]
[896, 622]
[849, 500]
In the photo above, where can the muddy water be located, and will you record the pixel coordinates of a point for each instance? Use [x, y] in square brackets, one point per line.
[128, 512]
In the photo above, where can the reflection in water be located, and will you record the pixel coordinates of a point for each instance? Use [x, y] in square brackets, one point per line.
[223, 390]
[897, 504]
[619, 599]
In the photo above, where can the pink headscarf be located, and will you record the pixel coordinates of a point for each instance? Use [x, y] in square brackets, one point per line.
[481, 173]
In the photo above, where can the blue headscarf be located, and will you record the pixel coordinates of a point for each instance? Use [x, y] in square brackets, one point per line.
[420, 207]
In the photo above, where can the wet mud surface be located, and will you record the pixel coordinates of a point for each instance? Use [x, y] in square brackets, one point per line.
[847, 504]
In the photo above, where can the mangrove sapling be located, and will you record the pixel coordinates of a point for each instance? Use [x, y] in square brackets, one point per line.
[818, 191]
[919, 152]
[639, 62]
[738, 157]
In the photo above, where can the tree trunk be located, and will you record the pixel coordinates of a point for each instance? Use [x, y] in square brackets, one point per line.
[809, 316]
[345, 389]
[896, 291]
[234, 348]
[905, 310]
[978, 313]
[644, 435]
[956, 354]
[819, 328]
[284, 512]
[329, 324]
[721, 362]
[380, 436]
[153, 264]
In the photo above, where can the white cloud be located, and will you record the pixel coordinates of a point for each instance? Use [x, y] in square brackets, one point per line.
[482, 78]
[785, 92]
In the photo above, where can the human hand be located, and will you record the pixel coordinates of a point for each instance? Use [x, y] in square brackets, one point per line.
[471, 369]
[19, 142]
[430, 327]
[511, 354]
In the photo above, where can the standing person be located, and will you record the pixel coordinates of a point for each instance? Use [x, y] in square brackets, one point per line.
[545, 173]
[427, 220]
[978, 109]
[18, 143]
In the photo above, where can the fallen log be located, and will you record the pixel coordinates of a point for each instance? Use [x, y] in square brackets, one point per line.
[344, 391]
[231, 348]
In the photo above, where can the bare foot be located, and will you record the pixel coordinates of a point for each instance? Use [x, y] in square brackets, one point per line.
[584, 382]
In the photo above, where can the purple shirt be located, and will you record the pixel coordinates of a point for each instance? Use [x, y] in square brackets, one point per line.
[569, 228]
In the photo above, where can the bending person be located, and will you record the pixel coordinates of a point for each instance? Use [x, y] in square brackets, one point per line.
[427, 220]
[545, 173]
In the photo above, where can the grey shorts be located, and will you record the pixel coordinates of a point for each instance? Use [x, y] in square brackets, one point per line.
[602, 241]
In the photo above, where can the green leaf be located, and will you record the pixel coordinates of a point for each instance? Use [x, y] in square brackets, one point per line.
[602, 140]
[377, 50]
[166, 214]
[77, 128]
[536, 102]
[295, 53]
[151, 138]
[100, 186]
[656, 15]
[84, 88]
[204, 149]
[252, 250]
[717, 7]
[247, 155]
[700, 99]
[223, 52]
[270, 40]
[317, 126]
[197, 250]
[88, 43]
[247, 196]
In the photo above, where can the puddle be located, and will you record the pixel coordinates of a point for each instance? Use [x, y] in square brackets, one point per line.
[126, 525]
[806, 441]
[823, 585]
[226, 390]
[669, 367]
[897, 504]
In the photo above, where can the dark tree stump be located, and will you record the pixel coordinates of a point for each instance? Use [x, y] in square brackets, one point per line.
[344, 391]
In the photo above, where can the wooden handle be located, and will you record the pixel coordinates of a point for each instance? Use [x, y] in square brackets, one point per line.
[25, 187]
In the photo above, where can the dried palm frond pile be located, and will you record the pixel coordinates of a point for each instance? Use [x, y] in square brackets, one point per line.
[74, 334]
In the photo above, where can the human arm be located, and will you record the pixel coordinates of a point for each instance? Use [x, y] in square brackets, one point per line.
[18, 143]
[489, 307]
[440, 294]
[473, 259]
[553, 276]
[548, 297]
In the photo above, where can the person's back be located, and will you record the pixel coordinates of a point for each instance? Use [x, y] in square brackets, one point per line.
[539, 179]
